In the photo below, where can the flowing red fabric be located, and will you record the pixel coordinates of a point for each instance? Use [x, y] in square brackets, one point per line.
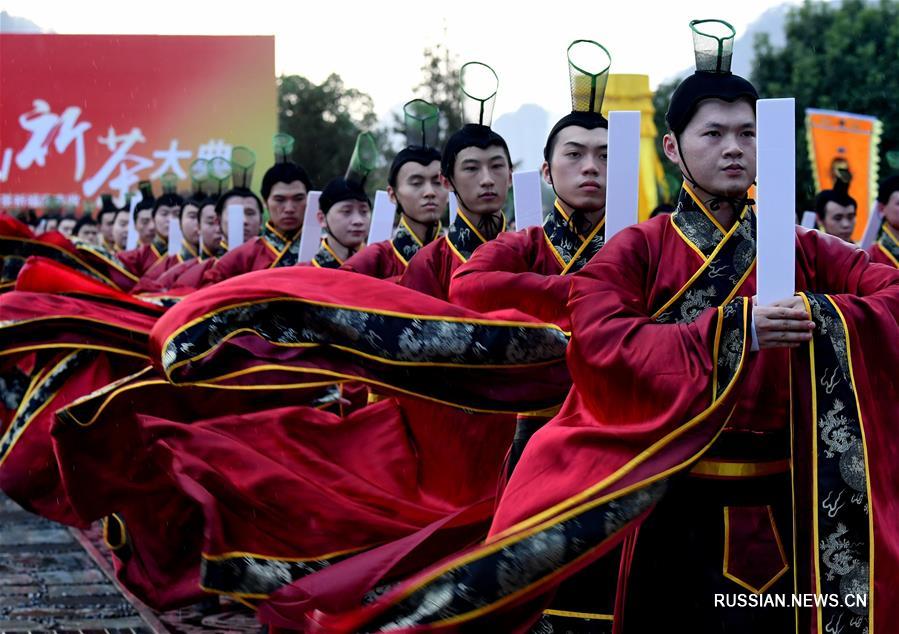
[517, 269]
[431, 269]
[642, 404]
[376, 260]
[140, 260]
[254, 255]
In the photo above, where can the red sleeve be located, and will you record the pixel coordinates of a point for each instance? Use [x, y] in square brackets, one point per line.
[628, 368]
[423, 272]
[372, 261]
[500, 274]
[836, 267]
[240, 260]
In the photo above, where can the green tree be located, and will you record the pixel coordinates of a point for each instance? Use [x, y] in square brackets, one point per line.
[837, 57]
[325, 120]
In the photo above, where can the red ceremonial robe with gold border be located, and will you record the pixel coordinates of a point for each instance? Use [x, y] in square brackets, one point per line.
[388, 259]
[432, 267]
[270, 250]
[886, 249]
[665, 384]
[528, 270]
[140, 260]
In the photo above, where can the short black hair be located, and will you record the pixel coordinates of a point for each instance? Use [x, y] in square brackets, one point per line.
[167, 200]
[471, 135]
[83, 221]
[421, 155]
[887, 188]
[243, 192]
[832, 196]
[284, 173]
[588, 120]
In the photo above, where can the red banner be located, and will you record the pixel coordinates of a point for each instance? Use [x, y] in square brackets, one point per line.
[84, 114]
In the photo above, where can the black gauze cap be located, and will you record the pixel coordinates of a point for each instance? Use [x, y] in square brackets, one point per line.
[703, 85]
[886, 189]
[471, 135]
[421, 155]
[284, 173]
[340, 189]
[587, 120]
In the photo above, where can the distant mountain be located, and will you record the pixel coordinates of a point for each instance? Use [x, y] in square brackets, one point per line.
[525, 131]
[14, 24]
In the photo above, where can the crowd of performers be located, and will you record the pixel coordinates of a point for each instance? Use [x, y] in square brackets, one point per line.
[469, 428]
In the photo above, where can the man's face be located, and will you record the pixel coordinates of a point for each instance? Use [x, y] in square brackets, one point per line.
[252, 216]
[286, 205]
[718, 146]
[579, 163]
[420, 191]
[146, 230]
[348, 221]
[120, 230]
[190, 224]
[51, 224]
[481, 179]
[839, 220]
[107, 221]
[66, 226]
[210, 229]
[163, 214]
[89, 234]
[890, 210]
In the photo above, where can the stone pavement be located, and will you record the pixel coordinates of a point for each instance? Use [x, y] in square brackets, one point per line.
[56, 579]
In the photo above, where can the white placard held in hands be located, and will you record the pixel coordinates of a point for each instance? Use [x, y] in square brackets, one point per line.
[132, 229]
[528, 199]
[381, 218]
[235, 226]
[175, 236]
[453, 207]
[312, 231]
[776, 196]
[871, 229]
[809, 220]
[623, 175]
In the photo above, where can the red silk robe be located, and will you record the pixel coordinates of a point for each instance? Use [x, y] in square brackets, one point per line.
[140, 260]
[388, 259]
[271, 249]
[528, 270]
[432, 267]
[665, 382]
[886, 249]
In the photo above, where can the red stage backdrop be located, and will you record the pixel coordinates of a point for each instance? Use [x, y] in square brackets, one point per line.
[83, 114]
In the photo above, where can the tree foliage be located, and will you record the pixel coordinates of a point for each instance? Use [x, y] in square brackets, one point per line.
[836, 57]
[325, 120]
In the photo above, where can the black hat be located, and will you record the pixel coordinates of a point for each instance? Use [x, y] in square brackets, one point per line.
[422, 120]
[284, 170]
[479, 85]
[170, 197]
[147, 201]
[713, 47]
[839, 195]
[588, 87]
[351, 186]
[107, 206]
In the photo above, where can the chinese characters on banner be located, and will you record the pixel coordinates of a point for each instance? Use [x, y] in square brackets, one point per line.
[99, 113]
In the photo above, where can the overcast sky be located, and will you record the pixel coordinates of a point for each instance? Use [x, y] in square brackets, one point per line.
[377, 46]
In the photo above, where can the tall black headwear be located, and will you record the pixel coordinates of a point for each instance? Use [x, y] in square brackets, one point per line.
[479, 85]
[588, 73]
[422, 120]
[713, 42]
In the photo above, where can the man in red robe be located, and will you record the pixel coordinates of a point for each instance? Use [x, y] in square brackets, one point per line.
[146, 256]
[189, 274]
[414, 186]
[685, 436]
[284, 188]
[886, 249]
[476, 165]
[345, 215]
[189, 219]
[529, 269]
